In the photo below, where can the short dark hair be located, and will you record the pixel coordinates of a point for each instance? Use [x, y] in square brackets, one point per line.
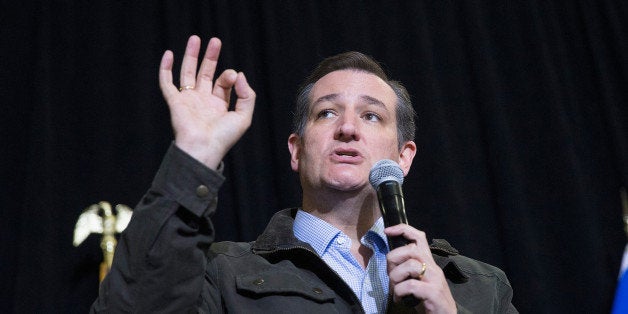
[360, 62]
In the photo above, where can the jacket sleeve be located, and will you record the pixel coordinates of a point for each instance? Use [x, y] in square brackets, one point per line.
[160, 259]
[505, 295]
[477, 287]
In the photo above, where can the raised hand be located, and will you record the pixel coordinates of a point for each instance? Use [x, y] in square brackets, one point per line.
[203, 125]
[413, 271]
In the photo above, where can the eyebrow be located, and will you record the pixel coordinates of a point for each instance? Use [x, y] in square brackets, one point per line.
[368, 99]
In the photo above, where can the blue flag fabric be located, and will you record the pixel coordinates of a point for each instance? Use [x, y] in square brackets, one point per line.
[620, 306]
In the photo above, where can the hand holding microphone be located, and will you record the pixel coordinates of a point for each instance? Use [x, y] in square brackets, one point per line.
[408, 264]
[386, 177]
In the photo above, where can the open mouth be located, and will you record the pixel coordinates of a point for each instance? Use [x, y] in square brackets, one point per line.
[347, 153]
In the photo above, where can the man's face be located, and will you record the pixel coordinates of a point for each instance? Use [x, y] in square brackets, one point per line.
[351, 125]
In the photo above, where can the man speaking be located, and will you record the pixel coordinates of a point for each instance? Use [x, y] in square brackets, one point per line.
[331, 254]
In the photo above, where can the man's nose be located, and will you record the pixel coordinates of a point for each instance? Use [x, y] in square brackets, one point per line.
[348, 128]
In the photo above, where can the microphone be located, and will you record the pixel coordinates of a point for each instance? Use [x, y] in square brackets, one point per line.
[386, 177]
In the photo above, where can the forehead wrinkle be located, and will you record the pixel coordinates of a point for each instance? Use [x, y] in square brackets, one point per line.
[330, 97]
[373, 101]
[365, 98]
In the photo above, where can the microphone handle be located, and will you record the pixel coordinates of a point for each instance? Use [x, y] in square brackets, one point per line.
[393, 210]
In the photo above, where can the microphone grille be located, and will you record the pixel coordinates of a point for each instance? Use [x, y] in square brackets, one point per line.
[385, 170]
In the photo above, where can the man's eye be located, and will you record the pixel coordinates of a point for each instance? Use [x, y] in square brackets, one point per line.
[372, 117]
[326, 114]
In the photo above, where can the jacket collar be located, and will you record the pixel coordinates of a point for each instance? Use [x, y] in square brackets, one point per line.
[278, 236]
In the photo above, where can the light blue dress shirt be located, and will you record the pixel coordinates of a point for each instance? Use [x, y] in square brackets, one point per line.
[370, 285]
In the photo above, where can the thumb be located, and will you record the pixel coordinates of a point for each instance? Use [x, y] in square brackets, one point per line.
[246, 97]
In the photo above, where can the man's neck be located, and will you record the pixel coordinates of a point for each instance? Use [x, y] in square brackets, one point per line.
[354, 213]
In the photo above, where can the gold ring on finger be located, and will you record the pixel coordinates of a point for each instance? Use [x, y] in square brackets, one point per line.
[185, 87]
[423, 269]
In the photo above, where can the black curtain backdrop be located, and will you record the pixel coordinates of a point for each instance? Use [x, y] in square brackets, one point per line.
[522, 129]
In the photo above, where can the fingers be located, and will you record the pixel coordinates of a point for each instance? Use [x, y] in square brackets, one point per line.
[411, 268]
[224, 84]
[418, 248]
[203, 82]
[413, 271]
[435, 294]
[165, 75]
[415, 288]
[411, 260]
[190, 62]
[208, 65]
[414, 278]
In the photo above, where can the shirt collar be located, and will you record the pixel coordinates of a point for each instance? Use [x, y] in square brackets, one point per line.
[319, 233]
[378, 235]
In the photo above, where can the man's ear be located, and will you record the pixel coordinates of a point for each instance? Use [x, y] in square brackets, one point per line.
[406, 155]
[294, 145]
